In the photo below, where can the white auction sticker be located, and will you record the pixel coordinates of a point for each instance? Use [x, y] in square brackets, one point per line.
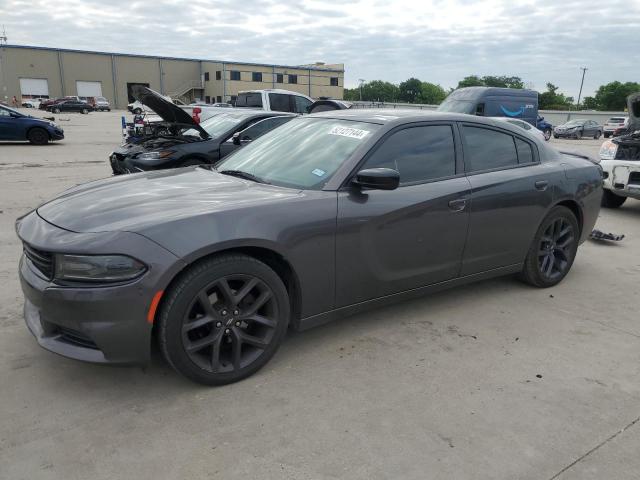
[349, 132]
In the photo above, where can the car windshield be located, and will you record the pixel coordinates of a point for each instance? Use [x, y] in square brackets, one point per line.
[9, 109]
[573, 123]
[457, 106]
[617, 120]
[304, 153]
[220, 124]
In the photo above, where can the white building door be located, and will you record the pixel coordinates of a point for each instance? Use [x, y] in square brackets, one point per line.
[34, 87]
[89, 89]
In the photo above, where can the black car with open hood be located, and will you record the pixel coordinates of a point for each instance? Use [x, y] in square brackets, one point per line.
[180, 141]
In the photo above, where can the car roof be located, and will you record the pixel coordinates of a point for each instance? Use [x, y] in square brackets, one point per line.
[384, 116]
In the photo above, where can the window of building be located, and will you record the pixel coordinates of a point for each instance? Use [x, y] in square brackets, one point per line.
[279, 78]
[218, 75]
[293, 78]
[218, 99]
[256, 76]
[206, 76]
[234, 75]
[487, 149]
[207, 99]
[419, 154]
[333, 81]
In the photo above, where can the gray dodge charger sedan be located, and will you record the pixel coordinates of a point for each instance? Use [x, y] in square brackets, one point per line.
[324, 216]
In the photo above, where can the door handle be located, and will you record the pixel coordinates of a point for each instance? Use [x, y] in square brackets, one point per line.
[458, 205]
[541, 185]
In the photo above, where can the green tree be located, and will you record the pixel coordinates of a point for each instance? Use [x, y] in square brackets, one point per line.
[471, 81]
[431, 94]
[491, 81]
[380, 91]
[613, 96]
[552, 100]
[410, 90]
[589, 103]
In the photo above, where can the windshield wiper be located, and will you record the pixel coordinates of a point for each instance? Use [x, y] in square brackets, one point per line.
[241, 174]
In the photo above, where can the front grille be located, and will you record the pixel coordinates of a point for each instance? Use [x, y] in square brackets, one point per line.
[43, 261]
[74, 337]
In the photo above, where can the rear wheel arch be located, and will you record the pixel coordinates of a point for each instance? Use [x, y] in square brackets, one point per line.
[575, 209]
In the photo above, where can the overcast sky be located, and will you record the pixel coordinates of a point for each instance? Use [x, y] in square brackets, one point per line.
[436, 41]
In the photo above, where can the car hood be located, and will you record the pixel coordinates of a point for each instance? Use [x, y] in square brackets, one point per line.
[633, 105]
[166, 110]
[138, 201]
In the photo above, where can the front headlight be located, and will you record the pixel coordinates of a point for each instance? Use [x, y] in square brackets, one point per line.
[98, 268]
[53, 125]
[608, 150]
[156, 155]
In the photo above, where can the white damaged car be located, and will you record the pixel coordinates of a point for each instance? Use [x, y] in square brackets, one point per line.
[620, 160]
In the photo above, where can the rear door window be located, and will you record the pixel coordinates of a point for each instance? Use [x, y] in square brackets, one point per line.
[279, 102]
[486, 149]
[419, 154]
[301, 104]
[525, 152]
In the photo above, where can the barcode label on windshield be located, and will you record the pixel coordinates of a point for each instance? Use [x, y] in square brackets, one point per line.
[349, 132]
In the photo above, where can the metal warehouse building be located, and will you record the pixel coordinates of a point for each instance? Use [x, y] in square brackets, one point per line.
[28, 72]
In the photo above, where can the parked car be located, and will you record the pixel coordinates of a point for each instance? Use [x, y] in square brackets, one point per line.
[180, 141]
[327, 215]
[71, 106]
[493, 102]
[578, 129]
[101, 104]
[620, 160]
[17, 126]
[31, 102]
[327, 104]
[45, 104]
[613, 124]
[274, 99]
[523, 125]
[545, 127]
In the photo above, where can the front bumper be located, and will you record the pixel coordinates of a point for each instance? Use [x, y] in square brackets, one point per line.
[56, 134]
[566, 133]
[99, 324]
[622, 177]
[121, 164]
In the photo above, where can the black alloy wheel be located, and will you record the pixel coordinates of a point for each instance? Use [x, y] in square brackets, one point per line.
[553, 249]
[38, 136]
[224, 319]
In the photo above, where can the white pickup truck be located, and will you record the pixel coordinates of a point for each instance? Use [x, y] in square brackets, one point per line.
[274, 99]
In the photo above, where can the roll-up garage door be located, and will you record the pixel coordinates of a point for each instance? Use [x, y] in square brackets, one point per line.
[89, 89]
[34, 86]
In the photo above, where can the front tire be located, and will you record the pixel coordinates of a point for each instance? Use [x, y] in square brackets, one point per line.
[553, 249]
[611, 200]
[55, 110]
[38, 136]
[223, 319]
[606, 135]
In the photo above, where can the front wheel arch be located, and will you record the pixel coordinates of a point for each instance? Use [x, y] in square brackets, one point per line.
[270, 257]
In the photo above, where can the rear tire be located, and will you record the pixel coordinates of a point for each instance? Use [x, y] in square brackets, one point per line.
[597, 135]
[38, 136]
[555, 136]
[84, 111]
[553, 249]
[606, 135]
[223, 319]
[611, 200]
[547, 134]
[55, 110]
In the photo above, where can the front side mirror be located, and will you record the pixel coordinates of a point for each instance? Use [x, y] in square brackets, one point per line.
[236, 138]
[378, 178]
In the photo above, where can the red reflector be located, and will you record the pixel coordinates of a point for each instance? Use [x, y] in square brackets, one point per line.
[154, 306]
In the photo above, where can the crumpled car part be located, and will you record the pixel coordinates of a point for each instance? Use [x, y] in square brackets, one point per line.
[598, 235]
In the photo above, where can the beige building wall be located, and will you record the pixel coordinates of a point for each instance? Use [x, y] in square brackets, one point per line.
[89, 68]
[63, 68]
[16, 63]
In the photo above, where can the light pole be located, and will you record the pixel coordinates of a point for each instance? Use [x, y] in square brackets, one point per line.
[584, 70]
[361, 80]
